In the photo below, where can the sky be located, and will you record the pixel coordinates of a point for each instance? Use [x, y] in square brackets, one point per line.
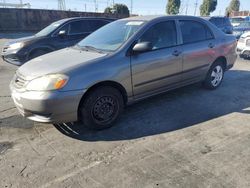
[141, 7]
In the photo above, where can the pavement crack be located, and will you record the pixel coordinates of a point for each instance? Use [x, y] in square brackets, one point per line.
[32, 147]
[21, 172]
[7, 109]
[5, 96]
[45, 138]
[69, 175]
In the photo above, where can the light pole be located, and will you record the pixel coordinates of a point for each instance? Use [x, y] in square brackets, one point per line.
[195, 7]
[131, 7]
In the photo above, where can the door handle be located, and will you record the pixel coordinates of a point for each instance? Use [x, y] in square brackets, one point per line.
[176, 53]
[211, 45]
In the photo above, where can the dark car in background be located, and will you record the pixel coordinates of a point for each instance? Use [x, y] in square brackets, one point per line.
[223, 23]
[60, 34]
[240, 29]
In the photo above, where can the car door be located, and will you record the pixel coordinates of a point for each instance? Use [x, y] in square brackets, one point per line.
[160, 68]
[198, 45]
[58, 40]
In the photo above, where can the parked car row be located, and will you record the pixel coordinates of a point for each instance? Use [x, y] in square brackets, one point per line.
[236, 26]
[241, 29]
[122, 62]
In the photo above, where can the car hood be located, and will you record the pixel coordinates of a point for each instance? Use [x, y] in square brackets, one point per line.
[23, 39]
[59, 61]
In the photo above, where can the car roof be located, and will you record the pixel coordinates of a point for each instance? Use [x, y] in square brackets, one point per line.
[156, 17]
[87, 18]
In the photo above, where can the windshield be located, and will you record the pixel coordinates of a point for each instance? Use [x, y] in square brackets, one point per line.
[244, 24]
[47, 30]
[111, 36]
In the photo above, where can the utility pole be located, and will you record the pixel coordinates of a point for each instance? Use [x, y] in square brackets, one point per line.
[96, 5]
[195, 7]
[187, 4]
[131, 7]
[61, 5]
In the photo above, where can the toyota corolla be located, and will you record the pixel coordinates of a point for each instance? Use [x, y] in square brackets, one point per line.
[121, 63]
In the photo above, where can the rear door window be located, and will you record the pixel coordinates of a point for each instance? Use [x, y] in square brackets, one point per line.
[79, 27]
[193, 31]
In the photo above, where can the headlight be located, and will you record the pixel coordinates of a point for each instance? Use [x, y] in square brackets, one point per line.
[48, 83]
[16, 46]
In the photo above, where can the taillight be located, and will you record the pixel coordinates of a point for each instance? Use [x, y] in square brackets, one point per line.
[248, 42]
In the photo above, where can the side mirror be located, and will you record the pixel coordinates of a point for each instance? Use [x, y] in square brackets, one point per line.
[142, 47]
[62, 33]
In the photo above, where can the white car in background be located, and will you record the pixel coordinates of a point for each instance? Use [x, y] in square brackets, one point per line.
[243, 46]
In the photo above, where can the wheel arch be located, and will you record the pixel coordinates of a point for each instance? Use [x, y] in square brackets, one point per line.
[44, 48]
[221, 59]
[113, 84]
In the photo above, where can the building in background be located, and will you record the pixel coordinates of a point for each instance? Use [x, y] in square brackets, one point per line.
[240, 13]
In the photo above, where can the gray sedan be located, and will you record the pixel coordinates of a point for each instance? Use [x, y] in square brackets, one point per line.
[121, 63]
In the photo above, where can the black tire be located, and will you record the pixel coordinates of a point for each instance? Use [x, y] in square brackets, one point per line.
[101, 108]
[213, 82]
[37, 53]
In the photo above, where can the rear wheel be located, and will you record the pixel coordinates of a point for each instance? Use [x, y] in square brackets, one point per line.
[101, 108]
[215, 76]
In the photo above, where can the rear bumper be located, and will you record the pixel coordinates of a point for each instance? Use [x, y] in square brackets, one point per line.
[48, 107]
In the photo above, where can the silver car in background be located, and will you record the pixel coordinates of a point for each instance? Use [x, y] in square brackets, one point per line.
[121, 63]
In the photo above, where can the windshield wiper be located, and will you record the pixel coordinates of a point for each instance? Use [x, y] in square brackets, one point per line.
[91, 48]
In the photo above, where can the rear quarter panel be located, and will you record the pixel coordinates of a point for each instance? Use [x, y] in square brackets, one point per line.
[228, 45]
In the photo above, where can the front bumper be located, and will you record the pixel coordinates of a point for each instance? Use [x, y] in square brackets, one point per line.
[13, 56]
[48, 107]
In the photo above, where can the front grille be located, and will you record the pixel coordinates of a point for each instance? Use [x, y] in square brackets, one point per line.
[19, 81]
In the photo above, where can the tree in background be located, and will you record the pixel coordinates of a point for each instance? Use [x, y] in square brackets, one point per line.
[118, 9]
[173, 6]
[233, 6]
[108, 10]
[207, 7]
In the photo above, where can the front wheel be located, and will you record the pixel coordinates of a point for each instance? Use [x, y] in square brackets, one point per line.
[215, 76]
[101, 108]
